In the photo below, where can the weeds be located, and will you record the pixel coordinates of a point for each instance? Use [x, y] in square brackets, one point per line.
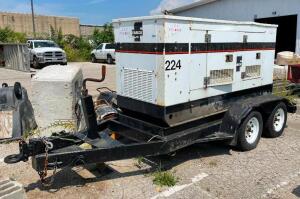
[164, 178]
[283, 91]
[213, 163]
[139, 162]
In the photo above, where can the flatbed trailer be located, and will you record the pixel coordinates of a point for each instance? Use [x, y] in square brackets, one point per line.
[180, 81]
[142, 138]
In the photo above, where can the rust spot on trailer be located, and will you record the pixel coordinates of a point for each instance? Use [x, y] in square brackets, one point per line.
[6, 124]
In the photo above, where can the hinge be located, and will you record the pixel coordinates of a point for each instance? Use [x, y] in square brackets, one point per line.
[207, 38]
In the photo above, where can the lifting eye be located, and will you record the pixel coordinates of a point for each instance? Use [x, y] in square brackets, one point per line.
[229, 58]
[258, 55]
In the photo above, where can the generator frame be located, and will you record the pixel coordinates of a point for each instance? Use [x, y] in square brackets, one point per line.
[137, 137]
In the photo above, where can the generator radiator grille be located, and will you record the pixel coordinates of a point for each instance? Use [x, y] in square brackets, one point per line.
[138, 84]
[253, 71]
[224, 76]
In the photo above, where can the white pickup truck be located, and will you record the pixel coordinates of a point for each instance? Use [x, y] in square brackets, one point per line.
[45, 52]
[104, 51]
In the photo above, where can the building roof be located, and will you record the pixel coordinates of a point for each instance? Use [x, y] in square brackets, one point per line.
[190, 6]
[170, 17]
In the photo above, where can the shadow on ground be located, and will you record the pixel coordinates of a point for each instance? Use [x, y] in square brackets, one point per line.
[67, 177]
[296, 191]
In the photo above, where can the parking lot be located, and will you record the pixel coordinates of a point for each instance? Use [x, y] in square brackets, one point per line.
[203, 170]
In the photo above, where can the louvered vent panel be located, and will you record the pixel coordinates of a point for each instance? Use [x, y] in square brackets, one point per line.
[224, 76]
[253, 71]
[138, 84]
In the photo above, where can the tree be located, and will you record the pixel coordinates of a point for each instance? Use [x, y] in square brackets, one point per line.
[105, 36]
[9, 36]
[57, 36]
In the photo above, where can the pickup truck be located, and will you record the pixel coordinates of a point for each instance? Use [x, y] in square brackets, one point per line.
[104, 51]
[45, 52]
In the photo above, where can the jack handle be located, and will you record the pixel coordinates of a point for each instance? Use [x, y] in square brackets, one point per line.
[84, 89]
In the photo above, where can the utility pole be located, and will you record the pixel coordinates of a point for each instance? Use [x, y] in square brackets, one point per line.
[33, 22]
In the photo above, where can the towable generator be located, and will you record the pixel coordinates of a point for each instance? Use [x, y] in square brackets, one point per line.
[180, 81]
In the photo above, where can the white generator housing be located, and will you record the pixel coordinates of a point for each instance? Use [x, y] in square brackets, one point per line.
[55, 93]
[180, 68]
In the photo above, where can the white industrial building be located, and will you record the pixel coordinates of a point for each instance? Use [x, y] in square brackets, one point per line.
[283, 13]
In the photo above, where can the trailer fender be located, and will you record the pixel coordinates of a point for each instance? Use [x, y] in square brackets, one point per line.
[238, 111]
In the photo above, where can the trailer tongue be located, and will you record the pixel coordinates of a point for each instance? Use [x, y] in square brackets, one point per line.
[180, 81]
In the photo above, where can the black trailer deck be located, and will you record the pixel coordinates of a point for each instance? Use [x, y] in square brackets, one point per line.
[136, 137]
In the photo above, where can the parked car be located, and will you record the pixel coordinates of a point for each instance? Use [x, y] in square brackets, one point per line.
[45, 52]
[104, 51]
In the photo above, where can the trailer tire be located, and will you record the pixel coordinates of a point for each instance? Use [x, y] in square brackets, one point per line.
[250, 132]
[276, 122]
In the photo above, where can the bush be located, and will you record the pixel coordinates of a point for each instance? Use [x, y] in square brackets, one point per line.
[105, 36]
[77, 48]
[9, 36]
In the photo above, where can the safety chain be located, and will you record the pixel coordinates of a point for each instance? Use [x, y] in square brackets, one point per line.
[43, 174]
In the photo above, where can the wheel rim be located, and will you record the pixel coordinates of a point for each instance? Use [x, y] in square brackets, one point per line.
[278, 120]
[252, 130]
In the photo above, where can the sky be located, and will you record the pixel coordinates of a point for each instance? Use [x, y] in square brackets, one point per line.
[95, 12]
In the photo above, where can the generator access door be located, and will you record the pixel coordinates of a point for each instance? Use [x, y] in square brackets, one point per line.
[222, 53]
[198, 59]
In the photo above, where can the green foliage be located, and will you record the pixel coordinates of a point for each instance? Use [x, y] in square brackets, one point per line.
[283, 91]
[57, 36]
[164, 178]
[105, 36]
[139, 162]
[9, 36]
[77, 48]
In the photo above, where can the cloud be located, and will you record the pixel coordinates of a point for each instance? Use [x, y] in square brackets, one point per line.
[92, 2]
[170, 4]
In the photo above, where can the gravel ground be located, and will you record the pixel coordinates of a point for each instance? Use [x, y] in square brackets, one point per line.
[89, 70]
[204, 170]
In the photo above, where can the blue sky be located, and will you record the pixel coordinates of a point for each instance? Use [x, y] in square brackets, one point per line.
[92, 11]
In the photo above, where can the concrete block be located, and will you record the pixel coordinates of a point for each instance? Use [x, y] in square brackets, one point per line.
[55, 92]
[11, 190]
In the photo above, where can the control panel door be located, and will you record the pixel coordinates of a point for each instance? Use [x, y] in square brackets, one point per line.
[198, 58]
[222, 59]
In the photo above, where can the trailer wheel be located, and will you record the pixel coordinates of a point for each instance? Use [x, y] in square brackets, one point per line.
[250, 131]
[276, 122]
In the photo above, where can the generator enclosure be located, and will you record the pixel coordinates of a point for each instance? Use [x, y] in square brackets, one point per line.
[177, 69]
[55, 93]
